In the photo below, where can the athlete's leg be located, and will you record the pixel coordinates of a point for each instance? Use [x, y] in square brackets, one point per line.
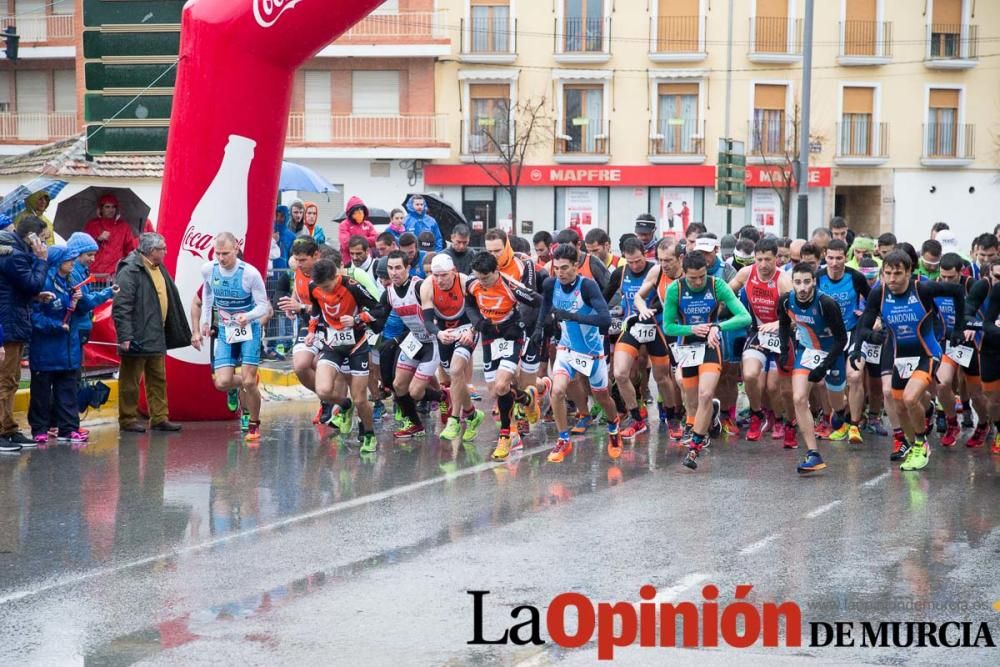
[359, 397]
[753, 379]
[304, 365]
[856, 392]
[801, 389]
[250, 395]
[225, 378]
[624, 360]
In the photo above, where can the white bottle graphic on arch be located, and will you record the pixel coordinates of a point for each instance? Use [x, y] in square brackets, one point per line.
[223, 208]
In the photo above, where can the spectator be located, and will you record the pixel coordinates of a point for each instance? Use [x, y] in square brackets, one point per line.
[284, 236]
[87, 248]
[419, 220]
[35, 206]
[23, 272]
[114, 236]
[55, 352]
[426, 241]
[397, 224]
[298, 210]
[150, 320]
[408, 244]
[996, 231]
[356, 223]
[459, 250]
[310, 225]
[386, 243]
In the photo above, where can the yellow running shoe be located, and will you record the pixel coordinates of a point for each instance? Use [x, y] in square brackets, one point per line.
[452, 430]
[472, 426]
[917, 457]
[532, 411]
[840, 433]
[854, 435]
[502, 450]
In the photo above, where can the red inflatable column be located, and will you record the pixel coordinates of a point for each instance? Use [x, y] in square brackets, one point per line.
[227, 133]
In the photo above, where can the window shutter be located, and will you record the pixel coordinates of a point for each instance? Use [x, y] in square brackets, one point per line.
[860, 10]
[947, 12]
[65, 91]
[375, 92]
[766, 96]
[678, 89]
[679, 8]
[859, 100]
[943, 99]
[318, 119]
[772, 8]
[489, 91]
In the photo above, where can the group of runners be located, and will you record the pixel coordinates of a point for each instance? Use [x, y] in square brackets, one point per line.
[826, 340]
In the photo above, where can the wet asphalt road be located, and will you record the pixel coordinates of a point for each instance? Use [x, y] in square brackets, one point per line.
[192, 548]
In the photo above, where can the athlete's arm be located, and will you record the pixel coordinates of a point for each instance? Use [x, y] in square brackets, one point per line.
[866, 323]
[648, 285]
[990, 328]
[591, 295]
[614, 284]
[546, 308]
[785, 326]
[741, 278]
[835, 320]
[860, 284]
[977, 296]
[739, 315]
[253, 282]
[207, 296]
[524, 295]
[670, 310]
[427, 304]
[928, 290]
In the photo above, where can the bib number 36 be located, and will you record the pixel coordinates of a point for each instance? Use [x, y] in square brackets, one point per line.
[236, 333]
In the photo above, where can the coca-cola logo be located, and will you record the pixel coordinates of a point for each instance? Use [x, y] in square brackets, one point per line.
[267, 12]
[201, 244]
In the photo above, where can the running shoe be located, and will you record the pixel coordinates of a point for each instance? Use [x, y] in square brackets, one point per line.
[675, 428]
[691, 459]
[950, 436]
[398, 414]
[41, 438]
[615, 445]
[233, 400]
[790, 439]
[562, 449]
[967, 418]
[502, 450]
[548, 417]
[475, 395]
[729, 427]
[321, 414]
[854, 435]
[917, 457]
[766, 422]
[633, 429]
[875, 426]
[452, 430]
[840, 433]
[253, 432]
[378, 411]
[716, 428]
[755, 428]
[74, 437]
[662, 409]
[244, 421]
[341, 419]
[410, 431]
[643, 412]
[533, 410]
[900, 449]
[368, 443]
[823, 429]
[978, 437]
[472, 426]
[941, 422]
[811, 463]
[583, 422]
[688, 435]
[522, 426]
[778, 429]
[995, 449]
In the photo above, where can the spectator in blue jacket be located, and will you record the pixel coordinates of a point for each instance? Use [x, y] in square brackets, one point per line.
[90, 299]
[283, 235]
[55, 353]
[419, 221]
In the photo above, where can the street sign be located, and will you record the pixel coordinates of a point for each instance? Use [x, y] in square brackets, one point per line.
[730, 179]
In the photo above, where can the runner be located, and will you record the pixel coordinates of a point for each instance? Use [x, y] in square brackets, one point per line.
[234, 292]
[582, 312]
[983, 301]
[343, 307]
[956, 357]
[820, 340]
[443, 302]
[691, 312]
[911, 352]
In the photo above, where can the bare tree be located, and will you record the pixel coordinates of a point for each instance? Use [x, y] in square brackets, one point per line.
[499, 144]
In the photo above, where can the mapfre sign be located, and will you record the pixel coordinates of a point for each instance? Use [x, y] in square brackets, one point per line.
[575, 175]
[767, 176]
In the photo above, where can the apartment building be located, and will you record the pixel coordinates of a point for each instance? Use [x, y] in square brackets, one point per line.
[903, 116]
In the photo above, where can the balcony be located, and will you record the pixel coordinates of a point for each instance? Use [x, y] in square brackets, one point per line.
[949, 145]
[865, 43]
[485, 143]
[952, 46]
[862, 144]
[489, 41]
[370, 136]
[394, 35]
[775, 40]
[675, 39]
[771, 139]
[582, 141]
[583, 40]
[677, 141]
[37, 128]
[42, 29]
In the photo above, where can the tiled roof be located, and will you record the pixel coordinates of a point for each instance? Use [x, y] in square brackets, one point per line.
[69, 158]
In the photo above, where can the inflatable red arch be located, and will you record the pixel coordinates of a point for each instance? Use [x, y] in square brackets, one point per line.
[227, 133]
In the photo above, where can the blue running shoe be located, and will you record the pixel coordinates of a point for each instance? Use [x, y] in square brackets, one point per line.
[378, 411]
[582, 424]
[813, 462]
[245, 421]
[663, 412]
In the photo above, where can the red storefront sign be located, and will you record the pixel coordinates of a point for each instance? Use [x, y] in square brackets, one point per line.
[765, 176]
[700, 176]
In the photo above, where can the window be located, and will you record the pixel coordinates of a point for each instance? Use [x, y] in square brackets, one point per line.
[375, 93]
[677, 124]
[64, 87]
[771, 26]
[768, 132]
[942, 123]
[318, 121]
[584, 26]
[5, 92]
[857, 126]
[583, 115]
[489, 112]
[677, 26]
[860, 27]
[490, 24]
[32, 105]
[946, 29]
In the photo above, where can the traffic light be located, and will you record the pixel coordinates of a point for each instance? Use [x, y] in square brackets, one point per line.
[13, 40]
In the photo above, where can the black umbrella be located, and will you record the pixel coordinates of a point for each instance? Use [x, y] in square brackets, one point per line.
[443, 211]
[377, 216]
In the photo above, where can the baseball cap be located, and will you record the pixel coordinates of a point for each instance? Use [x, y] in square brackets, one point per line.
[706, 244]
[645, 222]
[442, 263]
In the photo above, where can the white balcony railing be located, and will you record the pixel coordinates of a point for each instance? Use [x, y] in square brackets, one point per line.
[355, 130]
[37, 126]
[406, 26]
[41, 28]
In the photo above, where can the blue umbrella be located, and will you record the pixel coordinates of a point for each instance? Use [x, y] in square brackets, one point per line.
[14, 202]
[296, 177]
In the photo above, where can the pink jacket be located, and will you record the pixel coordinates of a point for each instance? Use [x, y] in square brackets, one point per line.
[349, 228]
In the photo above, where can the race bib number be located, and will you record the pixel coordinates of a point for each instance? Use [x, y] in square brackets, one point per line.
[616, 327]
[871, 353]
[340, 337]
[411, 346]
[770, 341]
[906, 365]
[643, 333]
[502, 348]
[458, 331]
[582, 363]
[688, 356]
[372, 338]
[962, 354]
[236, 333]
[812, 358]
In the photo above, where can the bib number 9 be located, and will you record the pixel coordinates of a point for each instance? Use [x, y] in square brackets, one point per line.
[812, 359]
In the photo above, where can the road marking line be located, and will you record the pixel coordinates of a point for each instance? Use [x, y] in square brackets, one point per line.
[875, 481]
[823, 509]
[759, 544]
[283, 523]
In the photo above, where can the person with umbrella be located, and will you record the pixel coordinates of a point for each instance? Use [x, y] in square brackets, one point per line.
[356, 223]
[311, 226]
[35, 206]
[114, 236]
[419, 220]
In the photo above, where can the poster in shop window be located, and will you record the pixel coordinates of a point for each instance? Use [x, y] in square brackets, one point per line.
[581, 208]
[766, 210]
[675, 209]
